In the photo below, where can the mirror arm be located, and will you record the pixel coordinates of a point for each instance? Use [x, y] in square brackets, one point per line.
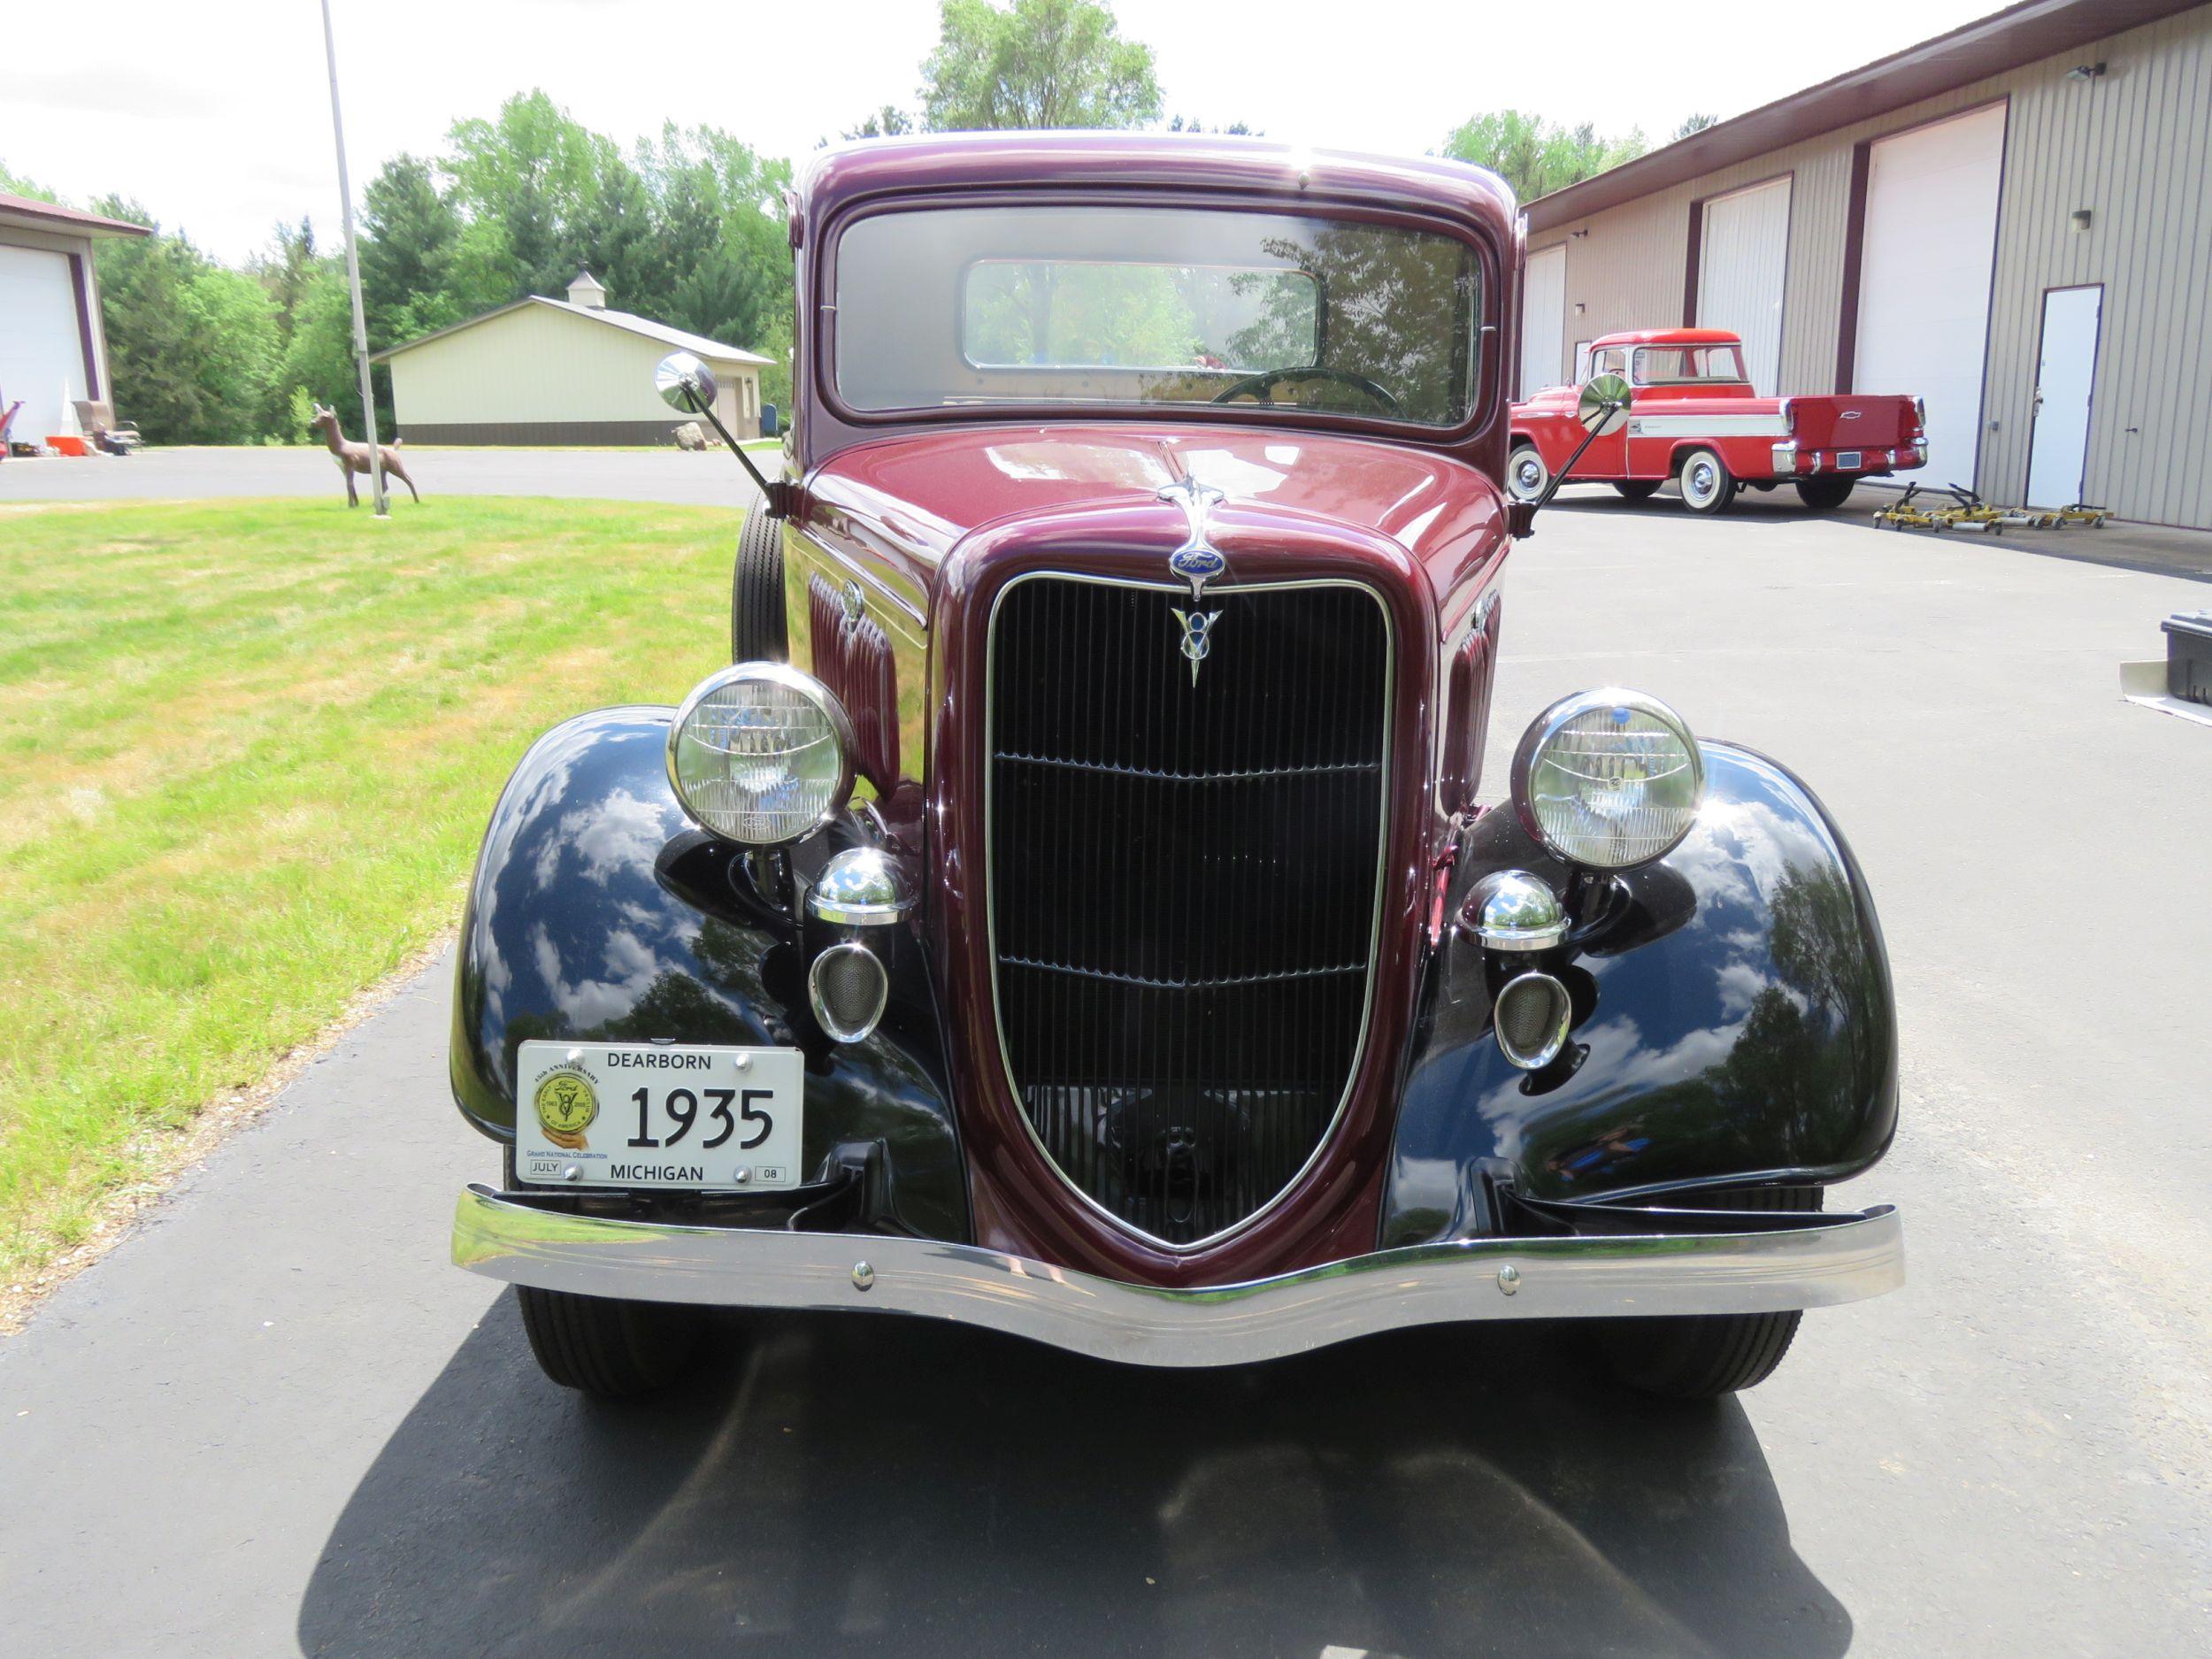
[778, 495]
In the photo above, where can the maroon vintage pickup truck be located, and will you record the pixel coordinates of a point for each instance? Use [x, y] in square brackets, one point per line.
[1072, 911]
[1695, 419]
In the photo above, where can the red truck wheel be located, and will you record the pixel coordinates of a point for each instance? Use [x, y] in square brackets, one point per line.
[1525, 473]
[1708, 485]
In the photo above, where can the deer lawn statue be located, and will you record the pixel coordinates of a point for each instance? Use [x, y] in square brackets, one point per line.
[353, 458]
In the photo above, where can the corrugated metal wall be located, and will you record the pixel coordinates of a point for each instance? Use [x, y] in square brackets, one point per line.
[2134, 147]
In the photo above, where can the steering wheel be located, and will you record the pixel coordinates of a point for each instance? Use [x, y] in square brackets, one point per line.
[1259, 384]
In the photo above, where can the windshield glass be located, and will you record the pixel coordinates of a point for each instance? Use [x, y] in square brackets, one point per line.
[956, 307]
[1686, 365]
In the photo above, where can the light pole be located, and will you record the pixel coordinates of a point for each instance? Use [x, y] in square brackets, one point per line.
[353, 278]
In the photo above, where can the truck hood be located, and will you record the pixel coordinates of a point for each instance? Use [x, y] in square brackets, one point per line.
[915, 497]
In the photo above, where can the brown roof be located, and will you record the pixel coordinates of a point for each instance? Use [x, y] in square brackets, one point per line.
[19, 208]
[1989, 46]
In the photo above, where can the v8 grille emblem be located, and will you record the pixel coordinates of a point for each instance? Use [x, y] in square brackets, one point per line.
[1198, 636]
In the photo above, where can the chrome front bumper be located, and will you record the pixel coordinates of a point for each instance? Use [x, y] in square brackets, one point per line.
[1845, 1259]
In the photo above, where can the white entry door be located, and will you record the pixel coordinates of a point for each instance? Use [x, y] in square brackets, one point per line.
[1923, 279]
[1543, 318]
[2058, 450]
[1743, 249]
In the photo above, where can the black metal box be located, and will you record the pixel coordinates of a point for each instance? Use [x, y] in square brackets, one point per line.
[2189, 655]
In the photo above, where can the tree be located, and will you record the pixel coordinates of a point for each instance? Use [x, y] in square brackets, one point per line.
[1535, 156]
[410, 237]
[13, 183]
[890, 121]
[193, 345]
[1042, 63]
[534, 169]
[1693, 124]
[1234, 130]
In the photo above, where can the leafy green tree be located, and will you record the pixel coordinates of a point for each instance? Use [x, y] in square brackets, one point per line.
[1536, 156]
[193, 344]
[13, 183]
[890, 121]
[319, 365]
[1234, 130]
[1693, 124]
[534, 169]
[410, 237]
[1039, 64]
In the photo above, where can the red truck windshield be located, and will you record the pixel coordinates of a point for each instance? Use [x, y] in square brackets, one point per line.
[1098, 304]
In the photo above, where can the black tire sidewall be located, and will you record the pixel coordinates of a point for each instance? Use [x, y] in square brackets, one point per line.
[758, 631]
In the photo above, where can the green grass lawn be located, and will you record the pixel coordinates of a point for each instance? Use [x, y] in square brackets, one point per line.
[247, 750]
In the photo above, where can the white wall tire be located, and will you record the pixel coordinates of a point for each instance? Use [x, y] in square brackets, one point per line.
[1708, 485]
[1525, 473]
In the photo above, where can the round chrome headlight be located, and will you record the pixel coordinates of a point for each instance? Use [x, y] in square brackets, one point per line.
[761, 753]
[1607, 779]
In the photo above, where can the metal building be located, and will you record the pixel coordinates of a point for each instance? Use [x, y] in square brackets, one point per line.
[2012, 221]
[53, 349]
[555, 372]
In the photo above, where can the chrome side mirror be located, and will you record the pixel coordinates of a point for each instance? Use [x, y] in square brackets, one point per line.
[684, 383]
[1605, 405]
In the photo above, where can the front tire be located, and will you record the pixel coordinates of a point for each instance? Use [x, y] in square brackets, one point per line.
[756, 612]
[1708, 485]
[1825, 493]
[611, 1349]
[1702, 1357]
[1525, 473]
[1637, 489]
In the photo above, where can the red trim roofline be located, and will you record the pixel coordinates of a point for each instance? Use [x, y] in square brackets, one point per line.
[52, 213]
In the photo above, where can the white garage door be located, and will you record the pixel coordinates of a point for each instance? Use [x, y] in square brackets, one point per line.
[42, 360]
[1543, 318]
[1743, 251]
[1923, 277]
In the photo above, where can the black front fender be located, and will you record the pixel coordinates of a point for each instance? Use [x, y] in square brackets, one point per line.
[598, 912]
[1733, 1023]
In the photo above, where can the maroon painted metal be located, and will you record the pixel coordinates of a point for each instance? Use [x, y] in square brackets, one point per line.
[951, 504]
[959, 512]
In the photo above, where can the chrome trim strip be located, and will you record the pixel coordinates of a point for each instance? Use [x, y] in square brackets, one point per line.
[1233, 1324]
[1708, 426]
[1374, 931]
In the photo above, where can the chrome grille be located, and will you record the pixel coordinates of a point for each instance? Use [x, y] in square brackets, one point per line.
[1183, 883]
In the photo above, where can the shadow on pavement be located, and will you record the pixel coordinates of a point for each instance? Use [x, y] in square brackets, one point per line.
[877, 1485]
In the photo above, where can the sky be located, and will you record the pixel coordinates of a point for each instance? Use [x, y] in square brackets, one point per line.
[215, 116]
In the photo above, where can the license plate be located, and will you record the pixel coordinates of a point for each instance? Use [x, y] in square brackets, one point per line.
[647, 1114]
[1847, 459]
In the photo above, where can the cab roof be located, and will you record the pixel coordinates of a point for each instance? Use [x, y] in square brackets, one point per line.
[1669, 337]
[1155, 164]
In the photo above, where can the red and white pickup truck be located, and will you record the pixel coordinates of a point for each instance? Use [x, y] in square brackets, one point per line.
[1695, 417]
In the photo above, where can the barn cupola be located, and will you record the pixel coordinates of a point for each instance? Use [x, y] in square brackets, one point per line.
[586, 292]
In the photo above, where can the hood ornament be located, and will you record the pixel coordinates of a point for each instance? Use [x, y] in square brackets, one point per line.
[1197, 562]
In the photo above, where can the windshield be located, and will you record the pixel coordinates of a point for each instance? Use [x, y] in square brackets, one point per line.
[1687, 365]
[957, 307]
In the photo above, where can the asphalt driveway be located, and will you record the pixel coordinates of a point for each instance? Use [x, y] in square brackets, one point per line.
[275, 1421]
